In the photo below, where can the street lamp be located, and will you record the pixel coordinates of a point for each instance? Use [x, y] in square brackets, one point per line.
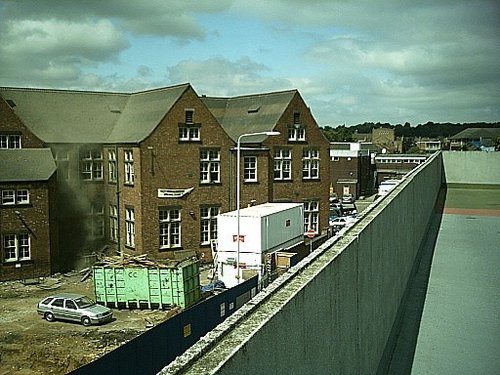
[238, 157]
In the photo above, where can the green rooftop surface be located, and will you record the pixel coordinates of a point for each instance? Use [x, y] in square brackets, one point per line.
[451, 319]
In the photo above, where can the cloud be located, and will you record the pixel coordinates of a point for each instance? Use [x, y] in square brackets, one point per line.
[147, 17]
[219, 76]
[352, 60]
[50, 43]
[53, 51]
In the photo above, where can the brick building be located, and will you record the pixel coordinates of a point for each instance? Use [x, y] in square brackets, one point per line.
[28, 224]
[350, 169]
[148, 172]
[385, 139]
[293, 167]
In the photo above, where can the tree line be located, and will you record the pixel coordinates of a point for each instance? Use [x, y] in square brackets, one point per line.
[430, 129]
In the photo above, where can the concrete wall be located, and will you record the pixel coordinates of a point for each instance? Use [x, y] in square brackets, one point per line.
[334, 311]
[472, 167]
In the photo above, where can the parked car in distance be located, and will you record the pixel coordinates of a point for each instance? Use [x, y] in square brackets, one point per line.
[347, 198]
[73, 307]
[334, 198]
[340, 222]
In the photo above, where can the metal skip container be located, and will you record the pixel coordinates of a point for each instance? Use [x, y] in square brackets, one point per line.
[148, 287]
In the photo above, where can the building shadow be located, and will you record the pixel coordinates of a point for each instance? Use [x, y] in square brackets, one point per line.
[399, 352]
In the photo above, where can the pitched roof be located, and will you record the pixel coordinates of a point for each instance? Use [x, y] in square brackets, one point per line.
[477, 133]
[26, 164]
[61, 116]
[250, 113]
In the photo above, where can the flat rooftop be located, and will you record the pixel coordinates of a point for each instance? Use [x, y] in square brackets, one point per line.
[451, 321]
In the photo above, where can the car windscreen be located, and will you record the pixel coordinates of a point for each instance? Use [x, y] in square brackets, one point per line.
[84, 302]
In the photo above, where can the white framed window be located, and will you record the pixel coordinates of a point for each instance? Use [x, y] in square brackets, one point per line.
[189, 133]
[250, 168]
[170, 228]
[209, 166]
[130, 227]
[310, 164]
[8, 197]
[16, 247]
[129, 167]
[282, 164]
[311, 216]
[91, 164]
[22, 196]
[10, 141]
[12, 196]
[296, 134]
[112, 165]
[113, 223]
[208, 224]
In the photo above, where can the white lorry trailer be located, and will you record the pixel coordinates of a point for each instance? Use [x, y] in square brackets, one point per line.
[264, 230]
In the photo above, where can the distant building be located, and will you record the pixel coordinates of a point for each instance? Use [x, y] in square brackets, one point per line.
[429, 145]
[350, 168]
[395, 166]
[484, 139]
[385, 139]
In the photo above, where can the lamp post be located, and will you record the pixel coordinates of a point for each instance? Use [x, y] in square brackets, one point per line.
[238, 158]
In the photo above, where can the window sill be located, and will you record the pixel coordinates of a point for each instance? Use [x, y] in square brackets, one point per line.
[14, 262]
[17, 205]
[165, 249]
[100, 181]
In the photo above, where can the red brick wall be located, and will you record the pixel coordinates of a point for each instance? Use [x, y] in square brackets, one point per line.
[34, 219]
[298, 189]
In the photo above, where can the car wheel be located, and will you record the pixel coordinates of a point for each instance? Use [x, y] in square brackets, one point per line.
[49, 317]
[86, 321]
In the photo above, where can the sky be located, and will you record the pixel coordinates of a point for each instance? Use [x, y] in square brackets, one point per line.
[353, 61]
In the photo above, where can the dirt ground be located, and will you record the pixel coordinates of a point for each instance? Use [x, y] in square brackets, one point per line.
[31, 345]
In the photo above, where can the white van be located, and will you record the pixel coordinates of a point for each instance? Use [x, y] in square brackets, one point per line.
[386, 186]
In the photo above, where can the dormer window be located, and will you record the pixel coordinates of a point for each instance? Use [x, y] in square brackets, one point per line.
[254, 108]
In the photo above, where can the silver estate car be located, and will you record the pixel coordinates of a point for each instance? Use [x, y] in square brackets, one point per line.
[73, 307]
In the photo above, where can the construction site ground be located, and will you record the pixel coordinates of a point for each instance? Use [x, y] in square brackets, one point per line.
[31, 345]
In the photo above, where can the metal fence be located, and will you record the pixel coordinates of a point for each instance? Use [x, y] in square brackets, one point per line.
[149, 352]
